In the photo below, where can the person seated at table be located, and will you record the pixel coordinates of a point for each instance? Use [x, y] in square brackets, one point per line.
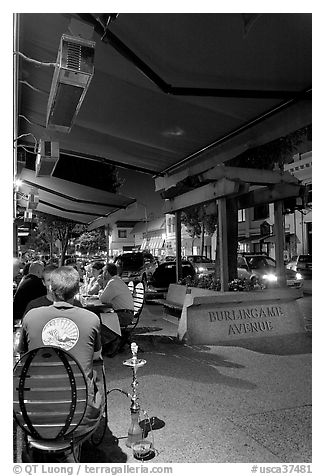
[75, 330]
[31, 288]
[118, 295]
[47, 299]
[95, 283]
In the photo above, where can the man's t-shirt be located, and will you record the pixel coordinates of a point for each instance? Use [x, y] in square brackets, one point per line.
[117, 294]
[74, 329]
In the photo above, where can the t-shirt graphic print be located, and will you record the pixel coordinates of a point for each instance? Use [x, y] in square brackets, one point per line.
[60, 332]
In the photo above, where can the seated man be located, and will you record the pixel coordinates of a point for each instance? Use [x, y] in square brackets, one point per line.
[31, 288]
[75, 330]
[118, 295]
[47, 299]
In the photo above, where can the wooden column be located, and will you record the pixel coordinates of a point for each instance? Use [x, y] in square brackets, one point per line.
[223, 245]
[279, 241]
[178, 237]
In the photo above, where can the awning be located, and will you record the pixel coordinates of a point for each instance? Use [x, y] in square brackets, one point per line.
[272, 238]
[162, 96]
[160, 243]
[68, 199]
[150, 243]
[251, 239]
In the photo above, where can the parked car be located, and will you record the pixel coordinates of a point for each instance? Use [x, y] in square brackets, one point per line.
[168, 258]
[205, 266]
[138, 266]
[263, 268]
[165, 275]
[301, 264]
[202, 264]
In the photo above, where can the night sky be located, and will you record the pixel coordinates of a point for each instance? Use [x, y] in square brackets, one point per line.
[94, 174]
[142, 187]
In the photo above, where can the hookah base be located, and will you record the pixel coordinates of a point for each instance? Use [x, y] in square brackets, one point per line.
[143, 450]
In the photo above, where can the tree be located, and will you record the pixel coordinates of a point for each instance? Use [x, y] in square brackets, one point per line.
[50, 229]
[92, 241]
[190, 218]
[279, 151]
[198, 222]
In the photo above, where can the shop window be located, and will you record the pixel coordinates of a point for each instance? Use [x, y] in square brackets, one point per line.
[261, 212]
[241, 215]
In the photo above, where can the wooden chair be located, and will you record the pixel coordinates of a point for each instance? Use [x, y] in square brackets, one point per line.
[50, 400]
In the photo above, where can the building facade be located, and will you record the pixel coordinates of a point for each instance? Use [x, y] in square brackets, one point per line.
[121, 238]
[190, 246]
[151, 236]
[299, 223]
[255, 225]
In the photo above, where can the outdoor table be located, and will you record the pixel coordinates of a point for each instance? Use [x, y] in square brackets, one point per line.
[105, 312]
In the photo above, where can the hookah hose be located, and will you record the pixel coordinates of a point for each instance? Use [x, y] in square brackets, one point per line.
[146, 416]
[107, 392]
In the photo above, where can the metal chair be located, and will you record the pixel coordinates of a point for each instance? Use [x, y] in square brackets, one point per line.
[138, 301]
[50, 401]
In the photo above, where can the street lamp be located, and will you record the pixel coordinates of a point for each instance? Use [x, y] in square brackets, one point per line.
[145, 216]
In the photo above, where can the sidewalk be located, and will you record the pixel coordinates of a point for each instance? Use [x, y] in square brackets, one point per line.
[219, 404]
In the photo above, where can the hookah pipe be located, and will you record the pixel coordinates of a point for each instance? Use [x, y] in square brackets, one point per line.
[135, 431]
[142, 449]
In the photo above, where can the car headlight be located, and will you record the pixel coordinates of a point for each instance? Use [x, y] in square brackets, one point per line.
[298, 276]
[270, 277]
[151, 288]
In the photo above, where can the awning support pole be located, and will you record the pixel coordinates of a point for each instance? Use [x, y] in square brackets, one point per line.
[178, 246]
[223, 244]
[279, 241]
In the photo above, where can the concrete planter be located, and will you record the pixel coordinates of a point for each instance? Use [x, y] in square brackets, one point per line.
[215, 317]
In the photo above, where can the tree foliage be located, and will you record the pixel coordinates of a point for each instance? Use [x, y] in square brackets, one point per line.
[190, 218]
[92, 241]
[49, 229]
[278, 151]
[195, 217]
[198, 222]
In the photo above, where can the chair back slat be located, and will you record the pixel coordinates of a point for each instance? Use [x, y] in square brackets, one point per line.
[138, 300]
[50, 393]
[138, 297]
[131, 286]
